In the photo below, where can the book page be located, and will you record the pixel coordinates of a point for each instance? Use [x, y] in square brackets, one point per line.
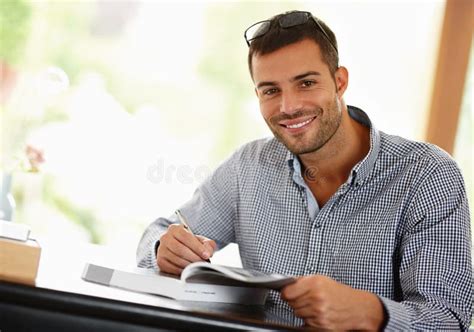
[203, 272]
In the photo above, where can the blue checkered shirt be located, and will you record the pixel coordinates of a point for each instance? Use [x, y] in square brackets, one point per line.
[399, 227]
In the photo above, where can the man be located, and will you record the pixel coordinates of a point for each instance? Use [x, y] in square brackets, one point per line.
[377, 226]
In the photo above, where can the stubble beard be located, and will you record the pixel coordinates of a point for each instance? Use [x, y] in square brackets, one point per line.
[308, 142]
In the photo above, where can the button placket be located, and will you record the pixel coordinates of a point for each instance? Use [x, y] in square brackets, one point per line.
[315, 245]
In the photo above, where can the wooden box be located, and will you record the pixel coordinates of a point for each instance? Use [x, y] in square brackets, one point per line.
[19, 260]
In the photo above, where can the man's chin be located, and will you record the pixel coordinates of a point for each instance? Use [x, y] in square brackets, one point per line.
[299, 148]
[302, 150]
[295, 144]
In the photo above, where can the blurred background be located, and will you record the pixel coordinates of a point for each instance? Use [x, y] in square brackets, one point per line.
[112, 112]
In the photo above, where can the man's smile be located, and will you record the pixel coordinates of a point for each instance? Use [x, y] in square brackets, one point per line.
[296, 123]
[296, 126]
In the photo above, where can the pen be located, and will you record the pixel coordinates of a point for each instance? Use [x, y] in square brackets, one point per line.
[185, 224]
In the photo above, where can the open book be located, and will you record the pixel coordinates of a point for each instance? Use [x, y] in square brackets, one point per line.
[203, 272]
[200, 281]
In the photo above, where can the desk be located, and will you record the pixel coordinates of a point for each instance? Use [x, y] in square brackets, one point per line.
[62, 301]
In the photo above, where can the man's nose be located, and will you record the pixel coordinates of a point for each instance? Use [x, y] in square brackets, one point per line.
[290, 103]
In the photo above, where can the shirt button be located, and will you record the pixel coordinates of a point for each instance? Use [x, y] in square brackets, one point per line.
[317, 225]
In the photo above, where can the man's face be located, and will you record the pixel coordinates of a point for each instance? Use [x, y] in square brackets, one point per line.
[298, 96]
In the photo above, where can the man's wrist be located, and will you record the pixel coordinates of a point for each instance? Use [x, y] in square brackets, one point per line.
[373, 313]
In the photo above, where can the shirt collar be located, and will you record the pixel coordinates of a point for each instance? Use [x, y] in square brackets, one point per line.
[362, 169]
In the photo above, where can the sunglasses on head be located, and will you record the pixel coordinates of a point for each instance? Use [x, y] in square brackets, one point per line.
[285, 21]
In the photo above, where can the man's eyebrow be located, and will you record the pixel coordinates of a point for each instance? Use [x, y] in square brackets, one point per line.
[296, 78]
[262, 84]
[309, 73]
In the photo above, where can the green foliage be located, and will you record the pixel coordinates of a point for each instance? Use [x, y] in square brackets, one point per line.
[15, 18]
[81, 216]
[67, 42]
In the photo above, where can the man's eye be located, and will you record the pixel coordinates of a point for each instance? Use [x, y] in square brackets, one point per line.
[270, 92]
[307, 83]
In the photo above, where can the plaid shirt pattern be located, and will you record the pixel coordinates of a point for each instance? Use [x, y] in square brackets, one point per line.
[399, 227]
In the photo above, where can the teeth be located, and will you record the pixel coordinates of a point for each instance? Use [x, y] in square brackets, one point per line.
[299, 125]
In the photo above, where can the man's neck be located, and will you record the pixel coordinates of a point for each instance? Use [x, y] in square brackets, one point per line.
[334, 161]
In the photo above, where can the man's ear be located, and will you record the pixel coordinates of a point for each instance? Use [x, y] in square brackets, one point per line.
[341, 78]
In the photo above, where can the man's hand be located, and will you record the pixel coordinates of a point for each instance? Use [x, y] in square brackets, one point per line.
[179, 248]
[327, 304]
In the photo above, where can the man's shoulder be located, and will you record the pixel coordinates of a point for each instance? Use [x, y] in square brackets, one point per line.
[400, 149]
[262, 150]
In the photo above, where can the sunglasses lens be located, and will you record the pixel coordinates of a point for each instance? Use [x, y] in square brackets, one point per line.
[293, 19]
[257, 30]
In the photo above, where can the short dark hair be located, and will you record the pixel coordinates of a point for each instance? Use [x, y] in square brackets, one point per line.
[278, 37]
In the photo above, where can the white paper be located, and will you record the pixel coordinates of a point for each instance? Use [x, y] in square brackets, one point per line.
[14, 231]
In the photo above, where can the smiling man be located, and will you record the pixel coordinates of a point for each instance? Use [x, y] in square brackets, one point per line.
[376, 226]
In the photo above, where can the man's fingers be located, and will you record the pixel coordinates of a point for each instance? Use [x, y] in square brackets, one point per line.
[165, 265]
[179, 247]
[178, 259]
[296, 289]
[314, 322]
[302, 301]
[168, 267]
[315, 314]
[171, 246]
[307, 311]
[183, 253]
[192, 242]
[211, 245]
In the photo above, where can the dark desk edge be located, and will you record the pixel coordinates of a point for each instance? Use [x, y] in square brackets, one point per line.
[140, 314]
